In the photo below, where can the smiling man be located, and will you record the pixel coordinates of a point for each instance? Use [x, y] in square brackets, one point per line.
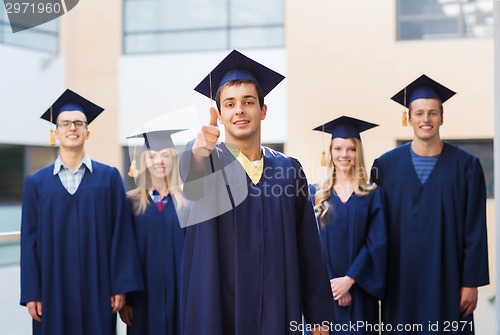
[257, 268]
[436, 199]
[78, 253]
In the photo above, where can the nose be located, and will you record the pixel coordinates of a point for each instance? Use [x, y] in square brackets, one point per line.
[239, 108]
[72, 126]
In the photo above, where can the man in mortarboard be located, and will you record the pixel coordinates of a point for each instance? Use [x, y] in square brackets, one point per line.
[436, 196]
[78, 253]
[256, 268]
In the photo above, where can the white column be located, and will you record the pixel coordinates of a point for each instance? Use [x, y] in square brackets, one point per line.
[496, 106]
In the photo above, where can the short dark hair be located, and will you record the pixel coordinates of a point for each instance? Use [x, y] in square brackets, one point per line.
[238, 82]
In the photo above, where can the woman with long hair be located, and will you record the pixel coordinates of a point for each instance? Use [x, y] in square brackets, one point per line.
[157, 203]
[350, 212]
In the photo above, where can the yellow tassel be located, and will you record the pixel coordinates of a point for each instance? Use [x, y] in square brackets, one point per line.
[52, 139]
[323, 158]
[133, 172]
[404, 121]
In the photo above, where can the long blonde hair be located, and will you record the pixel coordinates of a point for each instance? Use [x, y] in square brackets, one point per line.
[140, 195]
[360, 180]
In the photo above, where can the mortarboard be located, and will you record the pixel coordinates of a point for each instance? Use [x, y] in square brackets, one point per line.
[344, 127]
[422, 88]
[70, 101]
[157, 139]
[237, 66]
[153, 140]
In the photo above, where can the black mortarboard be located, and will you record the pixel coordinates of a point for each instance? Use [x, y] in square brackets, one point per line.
[238, 66]
[153, 140]
[422, 88]
[345, 127]
[71, 101]
[157, 139]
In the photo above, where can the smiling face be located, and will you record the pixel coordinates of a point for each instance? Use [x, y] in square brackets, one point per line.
[71, 136]
[159, 163]
[240, 112]
[343, 155]
[426, 116]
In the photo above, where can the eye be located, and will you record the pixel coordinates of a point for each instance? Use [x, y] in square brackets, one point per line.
[229, 105]
[249, 102]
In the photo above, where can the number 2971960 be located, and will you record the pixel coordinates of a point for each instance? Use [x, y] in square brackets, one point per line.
[32, 8]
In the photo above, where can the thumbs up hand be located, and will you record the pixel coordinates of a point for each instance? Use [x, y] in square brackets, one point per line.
[207, 136]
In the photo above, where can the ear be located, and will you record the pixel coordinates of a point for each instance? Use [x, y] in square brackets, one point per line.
[264, 112]
[219, 116]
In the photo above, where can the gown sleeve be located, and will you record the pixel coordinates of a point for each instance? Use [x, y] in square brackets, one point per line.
[369, 268]
[315, 283]
[30, 267]
[475, 266]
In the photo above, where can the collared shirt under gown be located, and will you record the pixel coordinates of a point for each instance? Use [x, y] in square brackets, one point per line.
[77, 251]
[437, 238]
[160, 240]
[257, 268]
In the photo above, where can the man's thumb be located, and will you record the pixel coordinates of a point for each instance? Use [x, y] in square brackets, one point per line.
[213, 116]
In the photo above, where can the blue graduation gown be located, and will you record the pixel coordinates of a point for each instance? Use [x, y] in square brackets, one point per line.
[77, 250]
[257, 268]
[354, 242]
[160, 240]
[437, 237]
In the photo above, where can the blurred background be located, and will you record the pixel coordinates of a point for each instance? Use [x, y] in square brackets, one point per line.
[140, 59]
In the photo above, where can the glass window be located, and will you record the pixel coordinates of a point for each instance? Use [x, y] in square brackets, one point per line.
[433, 19]
[16, 162]
[199, 25]
[43, 37]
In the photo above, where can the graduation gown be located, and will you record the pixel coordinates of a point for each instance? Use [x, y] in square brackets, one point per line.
[77, 250]
[437, 237]
[354, 243]
[160, 240]
[258, 267]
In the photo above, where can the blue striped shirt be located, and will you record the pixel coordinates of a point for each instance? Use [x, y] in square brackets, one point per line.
[71, 180]
[423, 165]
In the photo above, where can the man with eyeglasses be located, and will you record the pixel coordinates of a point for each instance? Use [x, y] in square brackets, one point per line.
[78, 253]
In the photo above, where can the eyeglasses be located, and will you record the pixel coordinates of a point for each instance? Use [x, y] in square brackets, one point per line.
[66, 124]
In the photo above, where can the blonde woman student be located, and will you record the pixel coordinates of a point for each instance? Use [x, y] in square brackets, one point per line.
[351, 215]
[156, 204]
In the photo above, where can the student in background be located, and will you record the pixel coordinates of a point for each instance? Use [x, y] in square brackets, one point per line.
[160, 239]
[436, 208]
[353, 229]
[78, 252]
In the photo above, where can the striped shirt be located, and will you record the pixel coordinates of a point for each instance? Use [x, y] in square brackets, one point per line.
[71, 180]
[423, 165]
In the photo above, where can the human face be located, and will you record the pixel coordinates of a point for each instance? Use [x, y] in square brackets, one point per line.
[344, 155]
[240, 112]
[426, 118]
[71, 137]
[159, 163]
